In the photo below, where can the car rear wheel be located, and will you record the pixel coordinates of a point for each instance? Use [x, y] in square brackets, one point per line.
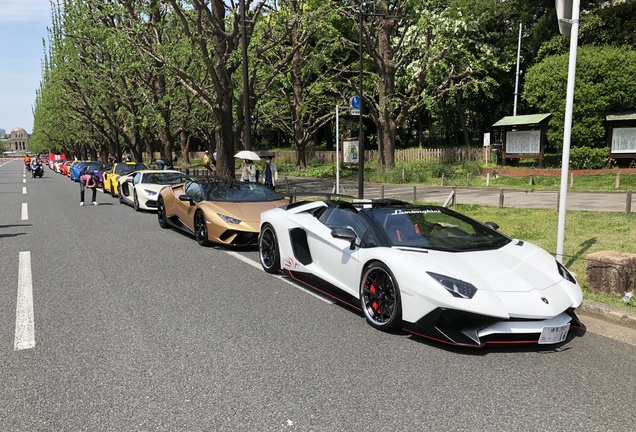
[268, 249]
[161, 214]
[380, 297]
[201, 229]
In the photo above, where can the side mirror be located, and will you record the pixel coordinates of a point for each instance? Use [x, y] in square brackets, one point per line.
[345, 234]
[185, 197]
[492, 225]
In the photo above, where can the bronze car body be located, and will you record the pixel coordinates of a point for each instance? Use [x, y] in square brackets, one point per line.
[222, 212]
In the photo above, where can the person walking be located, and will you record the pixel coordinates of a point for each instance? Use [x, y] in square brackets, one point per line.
[270, 173]
[88, 180]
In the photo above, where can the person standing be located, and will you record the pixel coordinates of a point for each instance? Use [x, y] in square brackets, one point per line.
[88, 180]
[248, 173]
[207, 161]
[270, 173]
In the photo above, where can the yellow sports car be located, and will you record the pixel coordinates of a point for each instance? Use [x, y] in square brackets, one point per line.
[221, 212]
[109, 178]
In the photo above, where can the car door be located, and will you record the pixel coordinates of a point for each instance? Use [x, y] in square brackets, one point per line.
[184, 209]
[334, 260]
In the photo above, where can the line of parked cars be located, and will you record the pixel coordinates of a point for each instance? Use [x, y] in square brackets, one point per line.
[424, 269]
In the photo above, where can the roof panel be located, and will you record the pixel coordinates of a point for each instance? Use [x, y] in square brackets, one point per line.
[522, 120]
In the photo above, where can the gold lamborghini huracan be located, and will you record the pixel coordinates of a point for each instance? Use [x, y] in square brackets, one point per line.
[221, 212]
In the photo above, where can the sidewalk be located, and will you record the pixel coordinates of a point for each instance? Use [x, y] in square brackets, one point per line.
[576, 200]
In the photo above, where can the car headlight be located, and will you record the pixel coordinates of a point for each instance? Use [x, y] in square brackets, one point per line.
[456, 287]
[150, 193]
[565, 274]
[229, 219]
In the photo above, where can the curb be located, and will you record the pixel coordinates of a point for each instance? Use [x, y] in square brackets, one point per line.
[608, 313]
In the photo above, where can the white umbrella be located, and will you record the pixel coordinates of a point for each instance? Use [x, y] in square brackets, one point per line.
[247, 154]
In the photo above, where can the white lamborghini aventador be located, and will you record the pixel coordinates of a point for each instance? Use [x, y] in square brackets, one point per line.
[426, 269]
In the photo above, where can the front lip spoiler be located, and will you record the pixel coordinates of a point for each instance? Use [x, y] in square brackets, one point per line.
[460, 328]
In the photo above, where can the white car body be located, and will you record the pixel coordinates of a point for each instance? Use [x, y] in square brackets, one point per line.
[520, 296]
[140, 189]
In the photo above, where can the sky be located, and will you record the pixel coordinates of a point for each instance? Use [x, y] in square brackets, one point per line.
[23, 26]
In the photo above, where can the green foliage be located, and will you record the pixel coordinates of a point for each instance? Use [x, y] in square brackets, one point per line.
[604, 82]
[589, 158]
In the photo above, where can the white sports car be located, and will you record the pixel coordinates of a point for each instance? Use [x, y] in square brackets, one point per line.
[141, 188]
[426, 269]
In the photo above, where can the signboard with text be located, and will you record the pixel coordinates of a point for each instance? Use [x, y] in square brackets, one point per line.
[623, 140]
[350, 151]
[523, 142]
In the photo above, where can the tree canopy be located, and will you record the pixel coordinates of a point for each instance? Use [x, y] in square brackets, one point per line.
[166, 76]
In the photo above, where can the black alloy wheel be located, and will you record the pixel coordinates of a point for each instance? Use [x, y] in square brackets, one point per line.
[268, 249]
[161, 214]
[201, 229]
[380, 297]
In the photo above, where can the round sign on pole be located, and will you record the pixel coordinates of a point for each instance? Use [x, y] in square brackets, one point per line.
[354, 102]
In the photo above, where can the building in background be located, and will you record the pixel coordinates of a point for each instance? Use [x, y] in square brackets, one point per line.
[18, 141]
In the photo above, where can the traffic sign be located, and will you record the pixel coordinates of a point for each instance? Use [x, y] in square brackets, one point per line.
[354, 103]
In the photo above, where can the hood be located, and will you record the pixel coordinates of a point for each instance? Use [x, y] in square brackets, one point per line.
[246, 211]
[516, 267]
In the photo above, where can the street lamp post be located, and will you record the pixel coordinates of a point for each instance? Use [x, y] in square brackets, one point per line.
[573, 10]
[246, 82]
[361, 132]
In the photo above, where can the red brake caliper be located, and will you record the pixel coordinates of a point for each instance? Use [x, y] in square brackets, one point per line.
[375, 305]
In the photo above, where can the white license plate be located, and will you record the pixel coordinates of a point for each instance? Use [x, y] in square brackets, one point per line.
[552, 335]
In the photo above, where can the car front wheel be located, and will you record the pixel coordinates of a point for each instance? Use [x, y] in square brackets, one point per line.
[136, 202]
[380, 297]
[161, 214]
[268, 249]
[201, 229]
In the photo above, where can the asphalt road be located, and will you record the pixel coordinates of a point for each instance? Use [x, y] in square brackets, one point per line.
[135, 328]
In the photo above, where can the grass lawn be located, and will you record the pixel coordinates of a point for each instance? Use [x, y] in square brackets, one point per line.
[585, 232]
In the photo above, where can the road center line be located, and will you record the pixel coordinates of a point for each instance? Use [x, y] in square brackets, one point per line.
[287, 281]
[23, 190]
[25, 212]
[24, 321]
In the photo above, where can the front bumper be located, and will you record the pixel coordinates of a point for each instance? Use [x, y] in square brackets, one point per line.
[466, 329]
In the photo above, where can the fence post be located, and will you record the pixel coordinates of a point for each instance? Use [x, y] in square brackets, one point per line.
[618, 180]
[501, 198]
[628, 202]
[414, 193]
[382, 191]
[443, 179]
[487, 179]
[454, 195]
[531, 180]
[571, 179]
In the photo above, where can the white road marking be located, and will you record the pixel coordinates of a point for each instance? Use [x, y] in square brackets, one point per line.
[23, 180]
[23, 190]
[24, 321]
[25, 212]
[287, 281]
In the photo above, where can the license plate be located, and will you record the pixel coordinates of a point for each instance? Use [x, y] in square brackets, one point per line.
[552, 335]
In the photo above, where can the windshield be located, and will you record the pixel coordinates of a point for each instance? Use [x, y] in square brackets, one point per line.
[436, 228]
[125, 168]
[164, 178]
[238, 192]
